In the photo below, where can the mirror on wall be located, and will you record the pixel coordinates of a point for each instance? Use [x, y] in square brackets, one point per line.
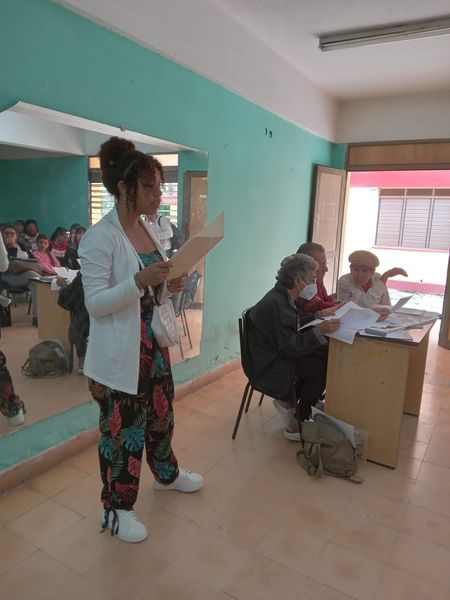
[49, 172]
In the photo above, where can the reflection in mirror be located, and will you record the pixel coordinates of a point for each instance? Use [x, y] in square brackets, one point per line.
[49, 172]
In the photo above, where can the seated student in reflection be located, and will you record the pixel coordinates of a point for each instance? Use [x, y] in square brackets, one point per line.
[71, 241]
[44, 256]
[18, 226]
[321, 304]
[363, 285]
[71, 298]
[21, 272]
[289, 364]
[70, 259]
[28, 239]
[59, 243]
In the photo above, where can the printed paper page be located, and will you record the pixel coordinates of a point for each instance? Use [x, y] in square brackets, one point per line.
[401, 303]
[343, 334]
[68, 274]
[343, 309]
[359, 319]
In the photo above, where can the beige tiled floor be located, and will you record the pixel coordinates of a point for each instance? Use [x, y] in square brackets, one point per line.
[44, 398]
[259, 530]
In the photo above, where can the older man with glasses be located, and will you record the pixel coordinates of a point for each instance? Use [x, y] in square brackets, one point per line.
[321, 304]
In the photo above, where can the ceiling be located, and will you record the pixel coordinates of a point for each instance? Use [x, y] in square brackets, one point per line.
[222, 38]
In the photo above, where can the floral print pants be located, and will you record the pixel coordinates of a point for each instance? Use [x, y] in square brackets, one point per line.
[10, 403]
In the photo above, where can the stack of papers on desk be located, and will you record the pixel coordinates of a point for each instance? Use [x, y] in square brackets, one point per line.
[353, 319]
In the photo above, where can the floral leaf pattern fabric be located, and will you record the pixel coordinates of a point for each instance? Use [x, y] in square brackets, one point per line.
[10, 403]
[129, 423]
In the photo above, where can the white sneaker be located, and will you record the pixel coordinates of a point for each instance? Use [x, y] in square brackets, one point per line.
[287, 413]
[320, 405]
[185, 482]
[124, 524]
[292, 436]
[4, 301]
[18, 419]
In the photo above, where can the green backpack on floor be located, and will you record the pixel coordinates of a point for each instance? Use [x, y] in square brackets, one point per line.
[326, 449]
[46, 359]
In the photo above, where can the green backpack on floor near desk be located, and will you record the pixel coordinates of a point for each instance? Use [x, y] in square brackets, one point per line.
[326, 449]
[46, 359]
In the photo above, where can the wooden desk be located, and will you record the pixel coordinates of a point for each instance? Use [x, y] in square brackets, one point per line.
[53, 321]
[371, 382]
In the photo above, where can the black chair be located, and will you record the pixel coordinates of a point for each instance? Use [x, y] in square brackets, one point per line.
[184, 302]
[12, 291]
[246, 366]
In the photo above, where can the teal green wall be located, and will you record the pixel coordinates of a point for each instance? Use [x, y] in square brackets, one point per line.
[53, 191]
[338, 154]
[60, 60]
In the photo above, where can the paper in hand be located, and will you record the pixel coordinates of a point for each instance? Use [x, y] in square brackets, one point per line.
[68, 274]
[197, 247]
[401, 303]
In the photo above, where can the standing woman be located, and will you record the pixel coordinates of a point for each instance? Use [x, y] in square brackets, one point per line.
[123, 269]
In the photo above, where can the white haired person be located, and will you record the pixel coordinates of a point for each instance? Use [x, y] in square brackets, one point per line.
[124, 273]
[289, 363]
[364, 285]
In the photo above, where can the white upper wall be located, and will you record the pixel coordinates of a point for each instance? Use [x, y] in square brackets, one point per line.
[425, 116]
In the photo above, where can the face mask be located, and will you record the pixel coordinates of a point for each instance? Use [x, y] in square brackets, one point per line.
[309, 291]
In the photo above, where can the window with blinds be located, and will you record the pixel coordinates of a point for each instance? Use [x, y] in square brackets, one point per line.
[101, 202]
[414, 218]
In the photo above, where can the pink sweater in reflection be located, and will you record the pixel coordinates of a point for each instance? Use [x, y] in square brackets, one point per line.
[47, 261]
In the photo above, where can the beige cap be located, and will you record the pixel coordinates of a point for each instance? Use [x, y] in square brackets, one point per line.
[364, 258]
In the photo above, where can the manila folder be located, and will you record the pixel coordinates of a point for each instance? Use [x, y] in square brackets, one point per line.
[197, 247]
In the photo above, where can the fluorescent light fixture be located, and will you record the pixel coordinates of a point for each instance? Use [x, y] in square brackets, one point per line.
[383, 35]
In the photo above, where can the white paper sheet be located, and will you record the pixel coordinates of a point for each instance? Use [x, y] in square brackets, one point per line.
[311, 324]
[197, 247]
[68, 274]
[359, 319]
[54, 286]
[343, 309]
[343, 334]
[353, 319]
[401, 303]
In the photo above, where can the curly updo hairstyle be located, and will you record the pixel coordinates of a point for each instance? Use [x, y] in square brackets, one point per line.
[120, 161]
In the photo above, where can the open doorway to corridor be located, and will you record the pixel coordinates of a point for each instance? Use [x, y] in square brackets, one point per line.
[404, 218]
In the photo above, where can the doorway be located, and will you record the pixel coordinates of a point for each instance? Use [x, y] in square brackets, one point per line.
[404, 218]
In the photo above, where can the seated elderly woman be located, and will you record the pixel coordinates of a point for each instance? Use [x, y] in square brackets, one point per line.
[363, 285]
[287, 363]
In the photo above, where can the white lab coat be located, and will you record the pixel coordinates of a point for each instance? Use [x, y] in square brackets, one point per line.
[108, 265]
